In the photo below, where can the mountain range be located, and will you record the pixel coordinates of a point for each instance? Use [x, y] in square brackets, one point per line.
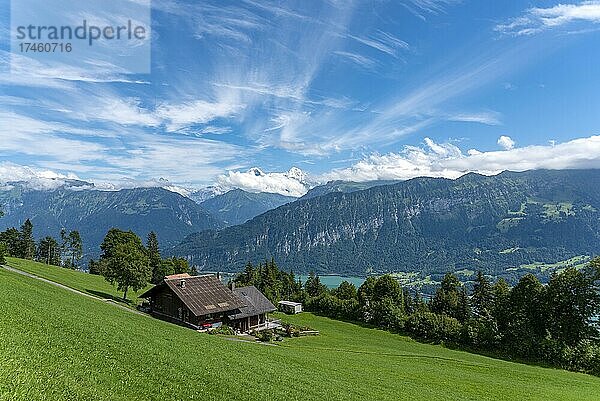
[491, 223]
[343, 186]
[94, 212]
[75, 205]
[238, 206]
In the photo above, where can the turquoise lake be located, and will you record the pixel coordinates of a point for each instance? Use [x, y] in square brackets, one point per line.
[334, 281]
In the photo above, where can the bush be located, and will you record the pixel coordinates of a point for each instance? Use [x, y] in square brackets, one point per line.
[388, 315]
[329, 305]
[223, 329]
[584, 357]
[291, 330]
[265, 335]
[434, 327]
[481, 332]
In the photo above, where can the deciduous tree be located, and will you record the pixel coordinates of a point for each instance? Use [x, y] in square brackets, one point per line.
[125, 261]
[572, 301]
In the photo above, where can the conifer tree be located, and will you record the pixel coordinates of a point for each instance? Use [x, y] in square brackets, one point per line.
[26, 241]
[154, 257]
[482, 298]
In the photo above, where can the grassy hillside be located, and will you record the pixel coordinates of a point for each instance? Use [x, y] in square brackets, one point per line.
[88, 283]
[55, 344]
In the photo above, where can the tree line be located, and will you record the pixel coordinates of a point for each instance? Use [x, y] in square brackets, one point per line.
[274, 283]
[550, 324]
[67, 251]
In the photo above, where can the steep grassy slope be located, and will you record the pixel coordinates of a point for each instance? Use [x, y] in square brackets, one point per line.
[55, 344]
[88, 283]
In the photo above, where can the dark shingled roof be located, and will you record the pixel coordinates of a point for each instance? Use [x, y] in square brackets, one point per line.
[256, 301]
[202, 294]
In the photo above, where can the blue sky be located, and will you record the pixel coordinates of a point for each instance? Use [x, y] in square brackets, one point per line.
[352, 90]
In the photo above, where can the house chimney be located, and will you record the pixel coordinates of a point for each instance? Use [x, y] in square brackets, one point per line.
[182, 283]
[233, 286]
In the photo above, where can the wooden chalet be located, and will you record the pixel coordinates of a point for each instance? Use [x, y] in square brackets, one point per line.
[202, 302]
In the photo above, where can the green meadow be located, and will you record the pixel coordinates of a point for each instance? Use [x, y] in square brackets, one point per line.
[88, 283]
[59, 345]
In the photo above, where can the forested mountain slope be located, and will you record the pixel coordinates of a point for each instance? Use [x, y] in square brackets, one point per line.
[424, 224]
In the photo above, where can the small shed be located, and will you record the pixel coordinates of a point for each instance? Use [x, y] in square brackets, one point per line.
[289, 307]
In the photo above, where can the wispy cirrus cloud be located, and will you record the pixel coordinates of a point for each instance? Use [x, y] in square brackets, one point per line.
[358, 59]
[383, 42]
[178, 116]
[322, 133]
[28, 136]
[422, 7]
[536, 20]
[484, 117]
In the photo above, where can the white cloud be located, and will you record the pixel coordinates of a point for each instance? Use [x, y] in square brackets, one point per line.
[536, 19]
[126, 111]
[291, 183]
[179, 116]
[24, 135]
[487, 118]
[418, 7]
[33, 178]
[358, 59]
[506, 142]
[384, 42]
[132, 155]
[447, 160]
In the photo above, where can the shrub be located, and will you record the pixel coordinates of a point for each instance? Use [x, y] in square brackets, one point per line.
[223, 329]
[481, 332]
[329, 305]
[291, 330]
[265, 335]
[434, 327]
[583, 357]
